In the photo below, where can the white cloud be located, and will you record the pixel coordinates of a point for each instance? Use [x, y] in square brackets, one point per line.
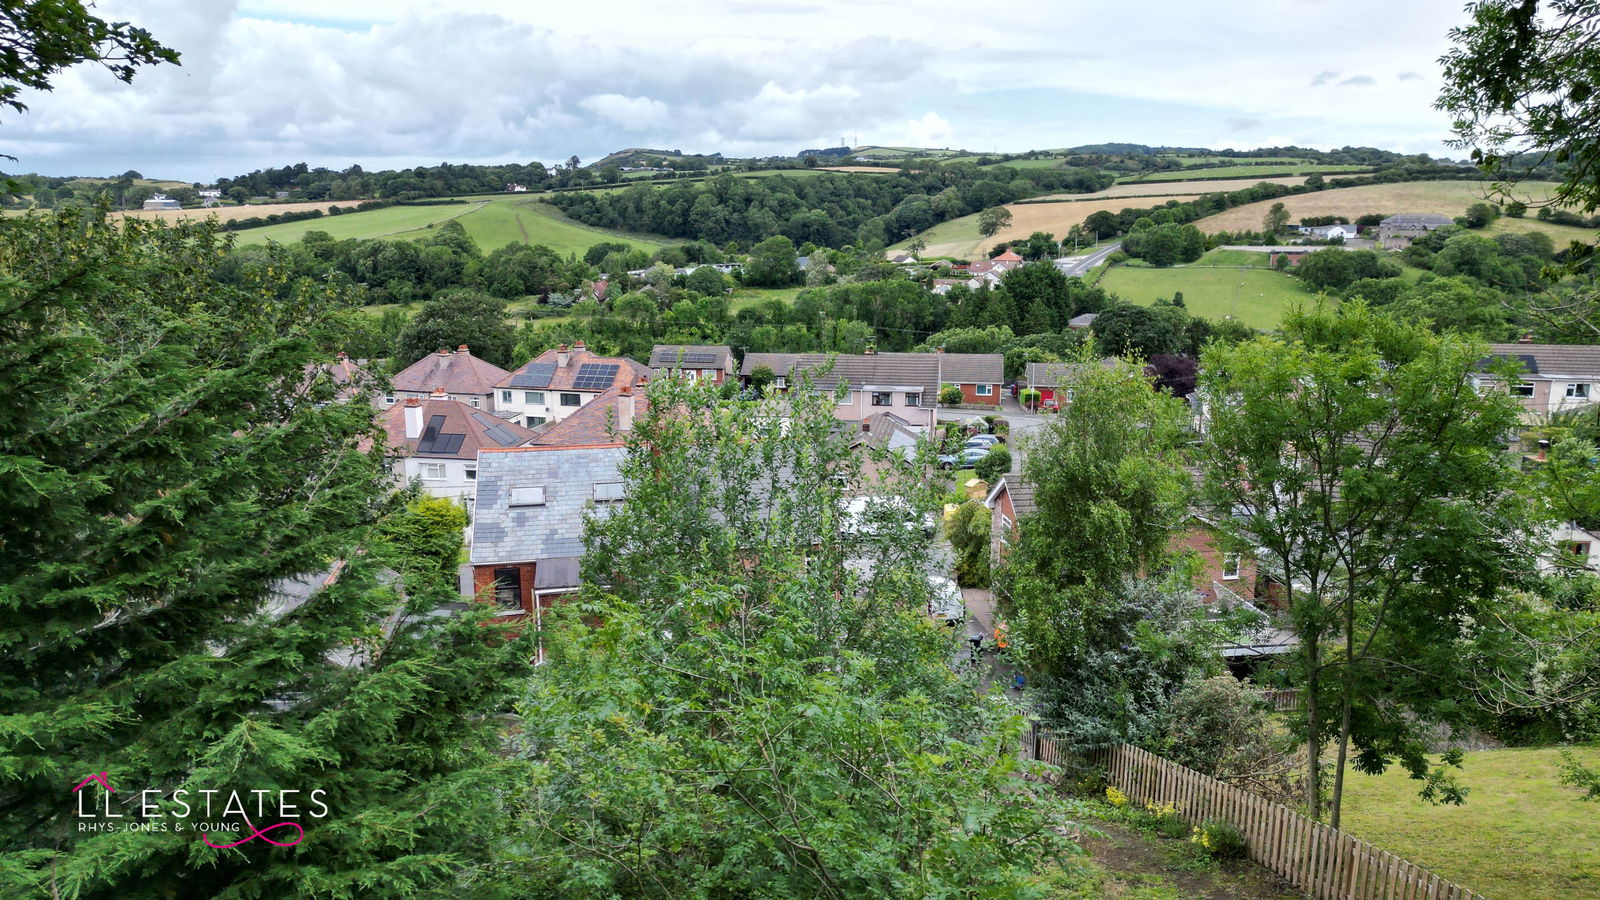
[632, 113]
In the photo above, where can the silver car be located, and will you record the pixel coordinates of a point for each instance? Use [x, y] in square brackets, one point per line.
[945, 603]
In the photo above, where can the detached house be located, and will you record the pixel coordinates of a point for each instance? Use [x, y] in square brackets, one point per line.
[906, 384]
[712, 363]
[1555, 377]
[462, 377]
[1053, 381]
[995, 267]
[437, 440]
[559, 382]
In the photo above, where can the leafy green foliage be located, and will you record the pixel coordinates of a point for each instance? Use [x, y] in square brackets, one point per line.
[186, 596]
[426, 536]
[459, 317]
[48, 36]
[968, 531]
[950, 394]
[993, 466]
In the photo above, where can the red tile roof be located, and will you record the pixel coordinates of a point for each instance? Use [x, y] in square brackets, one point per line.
[478, 430]
[628, 370]
[595, 422]
[458, 372]
[1008, 256]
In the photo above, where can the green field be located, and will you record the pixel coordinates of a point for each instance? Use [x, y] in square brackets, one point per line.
[1256, 297]
[1044, 163]
[1241, 172]
[745, 297]
[493, 223]
[1520, 833]
[1226, 160]
[1560, 235]
[1221, 257]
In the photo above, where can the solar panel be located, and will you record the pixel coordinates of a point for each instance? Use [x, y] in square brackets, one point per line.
[497, 431]
[534, 375]
[595, 377]
[432, 441]
[701, 358]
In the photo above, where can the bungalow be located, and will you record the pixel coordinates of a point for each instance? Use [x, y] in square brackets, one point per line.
[998, 266]
[459, 374]
[1331, 232]
[1555, 377]
[162, 201]
[1051, 381]
[558, 382]
[713, 363]
[979, 375]
[906, 384]
[436, 441]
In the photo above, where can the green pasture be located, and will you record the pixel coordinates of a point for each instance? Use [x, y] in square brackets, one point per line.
[1221, 257]
[1242, 172]
[1256, 297]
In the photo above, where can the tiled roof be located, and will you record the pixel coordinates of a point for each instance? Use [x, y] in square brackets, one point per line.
[552, 529]
[882, 369]
[1413, 219]
[545, 372]
[1008, 256]
[1082, 320]
[450, 430]
[1021, 493]
[1552, 360]
[695, 356]
[887, 431]
[348, 375]
[458, 372]
[972, 368]
[1051, 374]
[594, 423]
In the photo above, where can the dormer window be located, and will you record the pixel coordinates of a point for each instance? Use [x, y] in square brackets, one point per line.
[527, 496]
[607, 491]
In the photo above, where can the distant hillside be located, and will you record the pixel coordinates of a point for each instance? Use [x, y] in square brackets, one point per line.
[647, 158]
[827, 153]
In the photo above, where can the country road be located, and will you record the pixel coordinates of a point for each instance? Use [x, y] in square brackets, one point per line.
[1077, 265]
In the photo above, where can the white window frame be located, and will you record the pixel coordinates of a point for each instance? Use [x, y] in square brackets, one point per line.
[888, 398]
[985, 390]
[608, 492]
[535, 398]
[471, 471]
[388, 399]
[423, 470]
[505, 396]
[535, 421]
[1231, 562]
[1578, 390]
[1523, 389]
[563, 399]
[473, 402]
[780, 381]
[913, 398]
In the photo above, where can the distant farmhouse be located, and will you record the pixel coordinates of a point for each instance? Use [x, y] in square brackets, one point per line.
[162, 201]
[1397, 232]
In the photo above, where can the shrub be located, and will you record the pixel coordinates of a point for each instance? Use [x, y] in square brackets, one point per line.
[1029, 397]
[1116, 798]
[1162, 818]
[993, 466]
[968, 530]
[1220, 839]
[950, 394]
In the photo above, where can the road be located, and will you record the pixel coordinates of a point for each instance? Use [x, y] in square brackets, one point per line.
[1077, 265]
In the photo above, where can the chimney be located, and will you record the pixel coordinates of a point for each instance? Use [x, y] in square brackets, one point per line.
[413, 408]
[341, 356]
[439, 394]
[938, 349]
[1527, 338]
[443, 352]
[871, 349]
[463, 349]
[1544, 447]
[577, 346]
[625, 409]
[562, 357]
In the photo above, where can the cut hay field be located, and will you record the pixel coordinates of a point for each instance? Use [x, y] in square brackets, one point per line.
[1157, 188]
[1197, 161]
[229, 213]
[492, 223]
[1244, 171]
[864, 170]
[1256, 297]
[959, 238]
[1520, 834]
[1450, 198]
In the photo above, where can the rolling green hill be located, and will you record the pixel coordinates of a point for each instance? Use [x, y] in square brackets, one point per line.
[492, 222]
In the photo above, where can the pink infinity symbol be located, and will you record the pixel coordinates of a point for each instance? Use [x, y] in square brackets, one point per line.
[260, 833]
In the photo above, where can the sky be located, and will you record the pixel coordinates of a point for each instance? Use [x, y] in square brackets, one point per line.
[399, 83]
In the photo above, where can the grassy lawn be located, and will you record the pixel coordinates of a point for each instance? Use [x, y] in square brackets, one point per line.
[1255, 297]
[1561, 235]
[746, 297]
[1221, 257]
[370, 224]
[1520, 833]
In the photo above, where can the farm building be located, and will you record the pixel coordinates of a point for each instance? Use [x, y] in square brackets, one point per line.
[162, 201]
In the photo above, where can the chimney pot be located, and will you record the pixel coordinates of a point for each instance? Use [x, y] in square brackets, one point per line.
[1527, 338]
[462, 349]
[413, 414]
[443, 352]
[342, 355]
[438, 393]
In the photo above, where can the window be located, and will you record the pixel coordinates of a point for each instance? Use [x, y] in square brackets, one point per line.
[1230, 567]
[780, 381]
[388, 399]
[710, 374]
[913, 398]
[472, 471]
[536, 421]
[431, 471]
[571, 400]
[530, 495]
[1580, 549]
[607, 491]
[1578, 390]
[1070, 394]
[985, 390]
[505, 396]
[882, 398]
[536, 397]
[1524, 389]
[508, 588]
[473, 402]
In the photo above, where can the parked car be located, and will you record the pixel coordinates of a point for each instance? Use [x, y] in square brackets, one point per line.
[870, 516]
[986, 441]
[966, 458]
[946, 604]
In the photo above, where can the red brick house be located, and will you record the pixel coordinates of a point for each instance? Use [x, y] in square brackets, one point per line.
[1009, 500]
[710, 363]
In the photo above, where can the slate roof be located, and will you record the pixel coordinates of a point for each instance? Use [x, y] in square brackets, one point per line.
[1082, 320]
[545, 372]
[594, 423]
[1416, 220]
[921, 370]
[450, 430]
[695, 356]
[458, 372]
[1551, 360]
[887, 431]
[502, 533]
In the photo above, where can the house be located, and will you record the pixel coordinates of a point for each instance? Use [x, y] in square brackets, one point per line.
[1009, 500]
[1555, 377]
[461, 375]
[436, 441]
[280, 195]
[1331, 232]
[350, 379]
[997, 266]
[514, 188]
[209, 194]
[1219, 573]
[606, 419]
[1574, 549]
[557, 383]
[1409, 226]
[1051, 381]
[906, 384]
[1082, 321]
[162, 201]
[528, 521]
[713, 363]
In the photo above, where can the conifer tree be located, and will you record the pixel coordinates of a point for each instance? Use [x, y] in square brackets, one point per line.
[187, 597]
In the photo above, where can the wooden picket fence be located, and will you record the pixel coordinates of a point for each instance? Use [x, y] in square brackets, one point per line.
[1324, 863]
